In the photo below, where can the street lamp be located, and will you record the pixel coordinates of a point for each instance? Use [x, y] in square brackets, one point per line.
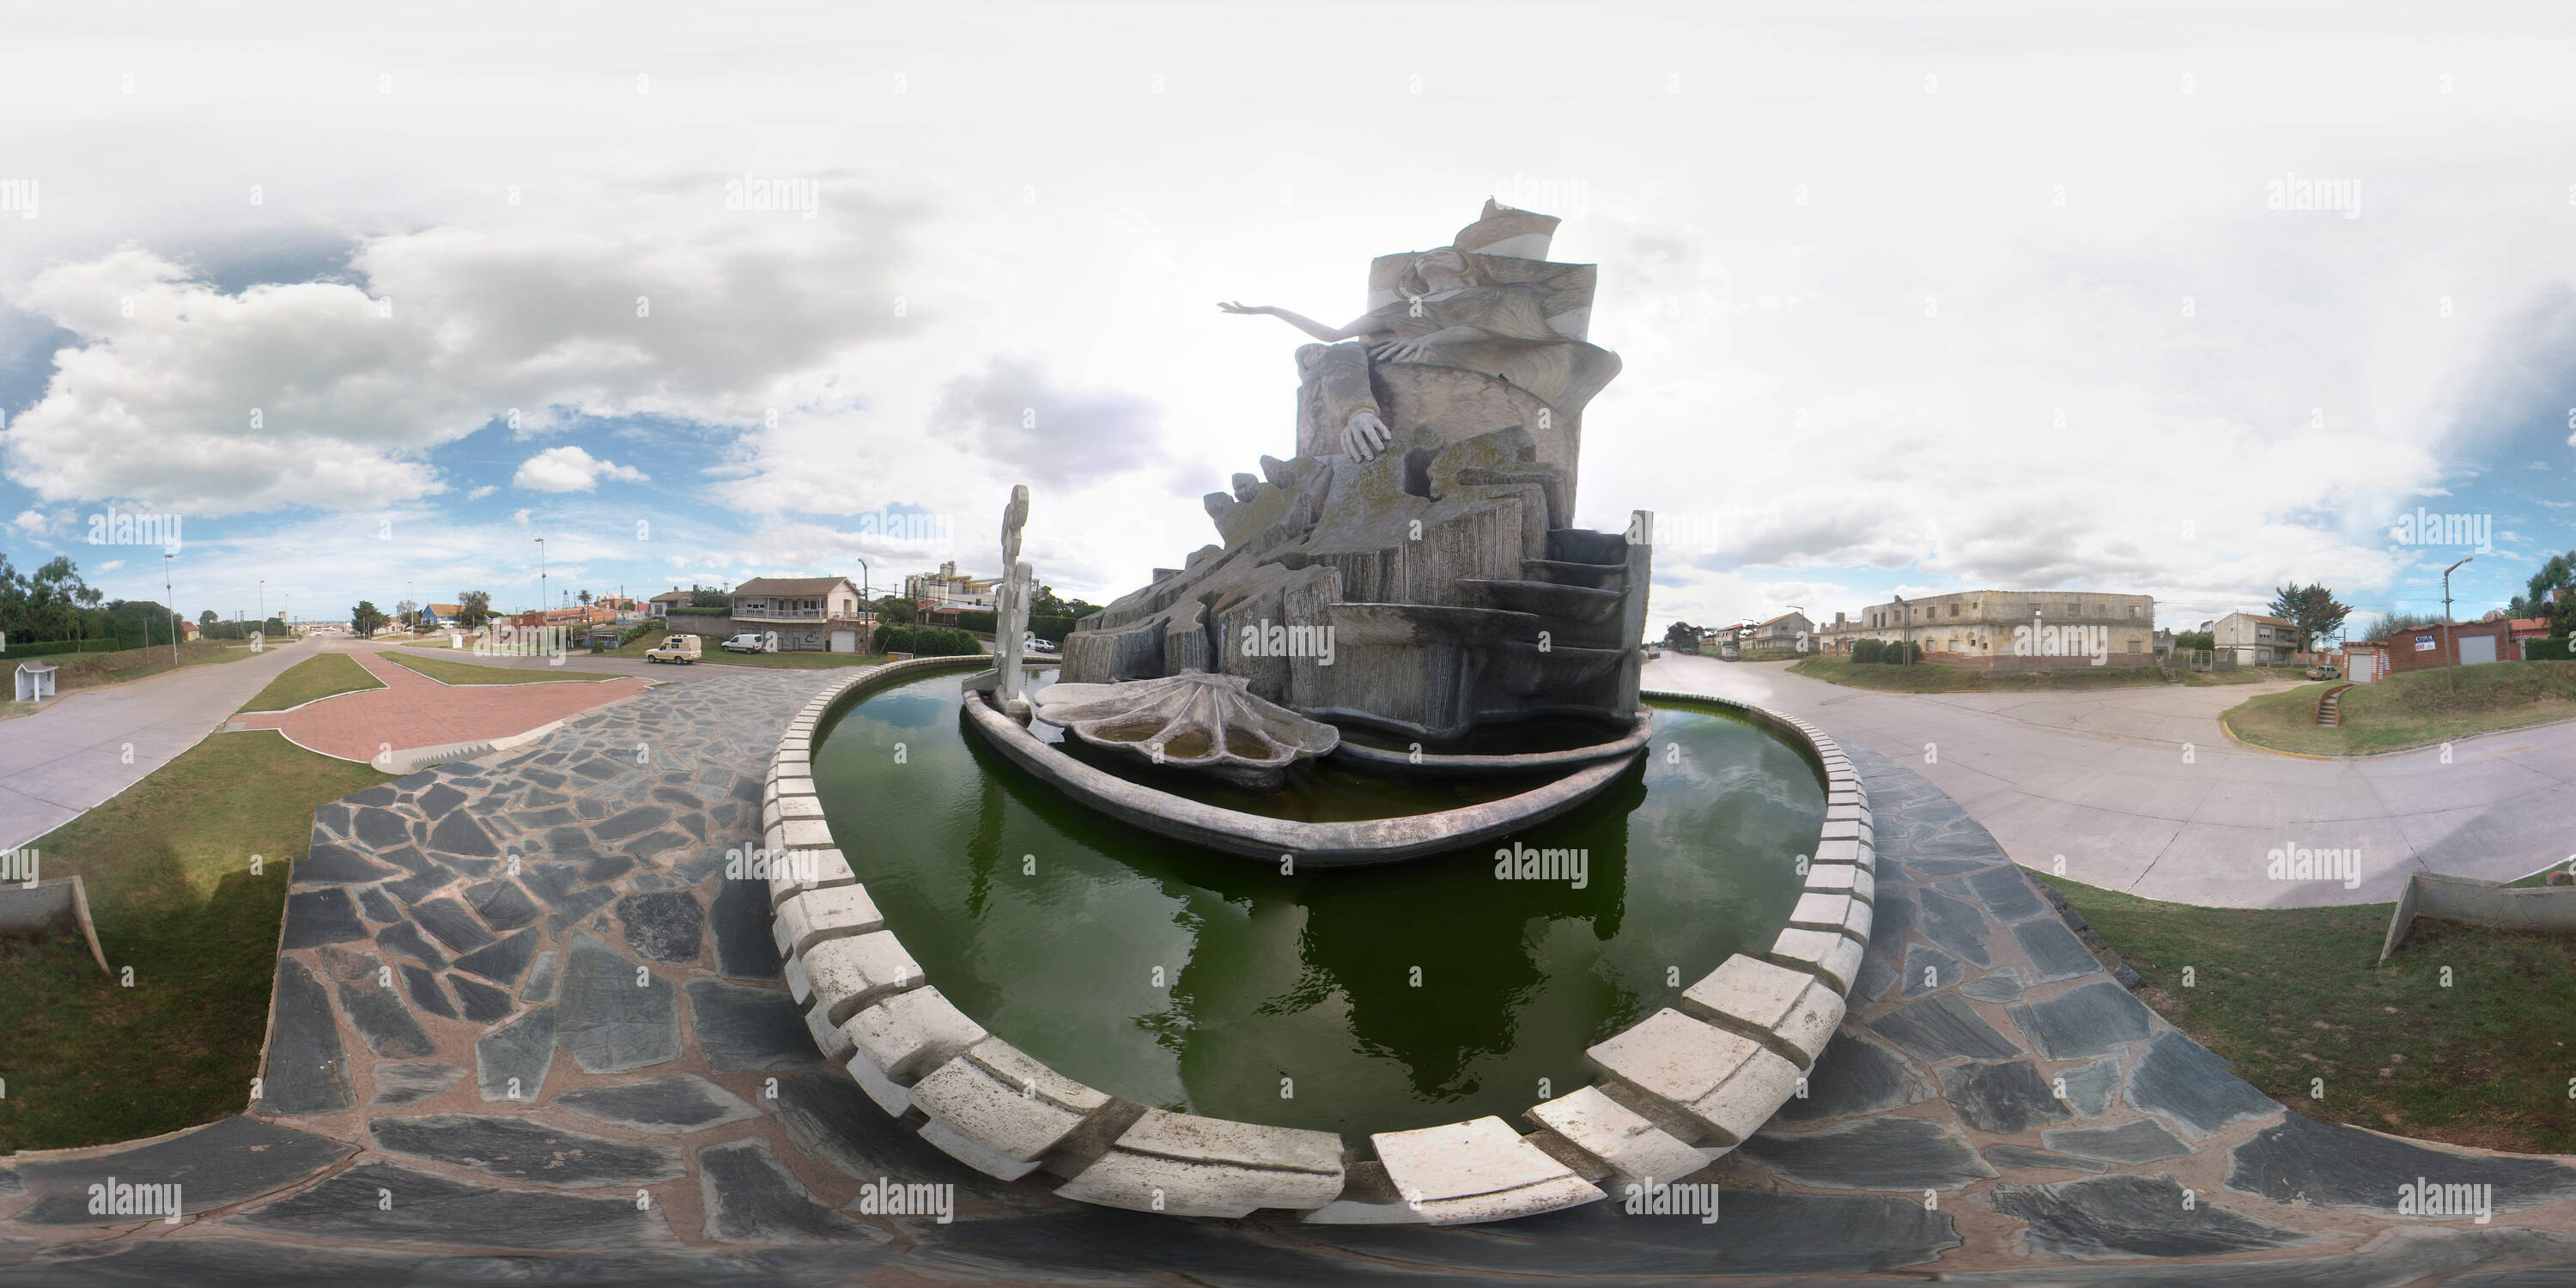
[542, 605]
[2451, 682]
[173, 597]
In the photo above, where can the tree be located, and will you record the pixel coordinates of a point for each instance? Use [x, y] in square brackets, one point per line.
[2551, 593]
[409, 612]
[585, 599]
[2312, 609]
[205, 619]
[1681, 635]
[2396, 623]
[895, 610]
[473, 608]
[708, 597]
[2189, 640]
[366, 619]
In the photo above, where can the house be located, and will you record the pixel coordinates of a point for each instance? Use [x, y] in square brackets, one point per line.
[2422, 648]
[2256, 639]
[808, 614]
[662, 604]
[436, 615]
[947, 586]
[1791, 631]
[2015, 629]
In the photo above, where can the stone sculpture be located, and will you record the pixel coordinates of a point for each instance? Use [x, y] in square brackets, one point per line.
[1414, 566]
[1195, 720]
[1010, 613]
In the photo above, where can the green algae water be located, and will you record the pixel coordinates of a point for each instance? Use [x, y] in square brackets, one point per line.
[1352, 1000]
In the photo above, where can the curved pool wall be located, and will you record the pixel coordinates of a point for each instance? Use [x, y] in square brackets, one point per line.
[1680, 1087]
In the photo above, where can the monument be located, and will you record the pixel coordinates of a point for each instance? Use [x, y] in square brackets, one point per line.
[1413, 566]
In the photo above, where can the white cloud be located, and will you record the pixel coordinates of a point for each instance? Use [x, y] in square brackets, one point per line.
[111, 565]
[481, 492]
[570, 469]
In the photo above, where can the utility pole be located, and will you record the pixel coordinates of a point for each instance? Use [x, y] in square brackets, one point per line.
[173, 597]
[542, 604]
[1905, 629]
[2451, 679]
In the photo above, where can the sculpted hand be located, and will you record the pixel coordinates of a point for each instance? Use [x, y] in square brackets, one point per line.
[1400, 351]
[1232, 307]
[1365, 436]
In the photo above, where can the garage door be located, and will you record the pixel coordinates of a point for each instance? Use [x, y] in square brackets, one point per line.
[2477, 648]
[845, 641]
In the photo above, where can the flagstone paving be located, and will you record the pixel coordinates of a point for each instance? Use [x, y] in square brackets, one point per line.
[522, 1012]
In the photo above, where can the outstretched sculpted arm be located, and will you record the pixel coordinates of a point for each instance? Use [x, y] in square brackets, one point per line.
[1365, 325]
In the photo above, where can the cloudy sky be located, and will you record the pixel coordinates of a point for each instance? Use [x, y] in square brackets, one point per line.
[1910, 298]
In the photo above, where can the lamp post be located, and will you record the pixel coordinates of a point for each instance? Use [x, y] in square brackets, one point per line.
[2450, 678]
[173, 597]
[542, 605]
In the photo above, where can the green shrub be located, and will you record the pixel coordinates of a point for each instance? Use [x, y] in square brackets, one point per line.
[1866, 650]
[2549, 650]
[927, 641]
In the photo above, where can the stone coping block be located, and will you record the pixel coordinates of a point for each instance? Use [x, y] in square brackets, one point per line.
[1478, 1170]
[829, 1038]
[1838, 850]
[1714, 1087]
[818, 915]
[1842, 878]
[909, 1034]
[1789, 1011]
[1857, 922]
[1831, 956]
[849, 974]
[793, 874]
[798, 834]
[785, 785]
[1821, 910]
[1634, 1151]
[1847, 811]
[1193, 1166]
[998, 1111]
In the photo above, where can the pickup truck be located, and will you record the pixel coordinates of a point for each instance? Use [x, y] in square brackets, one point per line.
[682, 649]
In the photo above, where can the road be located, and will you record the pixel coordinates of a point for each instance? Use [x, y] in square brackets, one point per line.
[2140, 790]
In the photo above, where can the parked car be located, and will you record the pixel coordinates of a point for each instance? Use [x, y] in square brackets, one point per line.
[1041, 646]
[2324, 672]
[681, 649]
[747, 642]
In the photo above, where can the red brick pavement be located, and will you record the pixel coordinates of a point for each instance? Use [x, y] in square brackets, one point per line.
[413, 710]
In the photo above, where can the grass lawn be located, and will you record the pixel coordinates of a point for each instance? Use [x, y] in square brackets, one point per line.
[1768, 655]
[2414, 709]
[1921, 677]
[167, 868]
[318, 676]
[2291, 994]
[447, 672]
[92, 670]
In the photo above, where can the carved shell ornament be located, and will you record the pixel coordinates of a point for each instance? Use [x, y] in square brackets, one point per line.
[1194, 720]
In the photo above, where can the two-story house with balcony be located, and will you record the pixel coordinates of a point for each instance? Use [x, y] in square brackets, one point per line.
[2257, 640]
[808, 614]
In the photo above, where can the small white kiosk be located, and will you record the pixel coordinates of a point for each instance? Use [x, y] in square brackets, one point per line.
[35, 681]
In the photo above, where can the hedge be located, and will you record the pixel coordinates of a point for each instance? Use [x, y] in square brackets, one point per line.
[927, 641]
[1045, 628]
[2549, 650]
[51, 648]
[700, 612]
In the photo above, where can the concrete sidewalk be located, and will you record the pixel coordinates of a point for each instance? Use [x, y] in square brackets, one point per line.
[2101, 779]
[85, 747]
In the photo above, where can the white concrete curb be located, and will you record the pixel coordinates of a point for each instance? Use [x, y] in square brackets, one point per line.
[1678, 1090]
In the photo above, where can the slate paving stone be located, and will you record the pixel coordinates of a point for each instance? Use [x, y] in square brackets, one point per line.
[1943, 1027]
[2080, 1022]
[318, 917]
[422, 984]
[656, 881]
[1889, 1153]
[609, 1022]
[409, 1084]
[458, 833]
[520, 1150]
[380, 794]
[2002, 986]
[633, 822]
[405, 938]
[541, 980]
[413, 889]
[1954, 924]
[668, 1105]
[379, 1016]
[1929, 970]
[439, 799]
[434, 1211]
[1854, 1076]
[746, 948]
[665, 926]
[2007, 894]
[607, 867]
[380, 828]
[696, 871]
[10, 1186]
[742, 1029]
[2090, 1088]
[503, 961]
[2190, 1084]
[751, 1199]
[2121, 1215]
[2054, 950]
[520, 1051]
[579, 904]
[451, 924]
[2023, 1156]
[2005, 1099]
[307, 1072]
[2335, 1165]
[333, 818]
[326, 862]
[231, 1160]
[379, 907]
[652, 843]
[1874, 981]
[551, 880]
[502, 904]
[2142, 1141]
[481, 1002]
